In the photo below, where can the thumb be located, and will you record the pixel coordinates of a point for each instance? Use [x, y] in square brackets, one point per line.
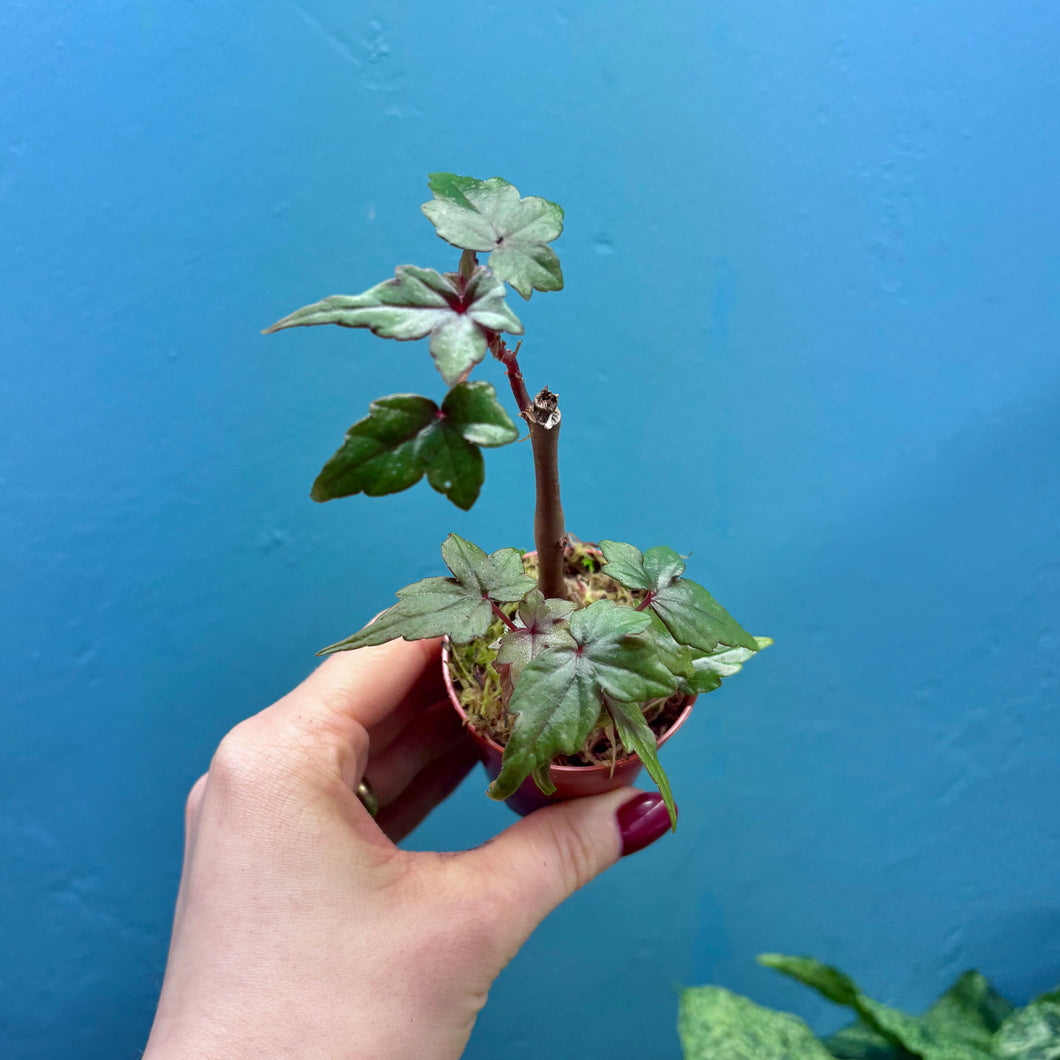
[544, 858]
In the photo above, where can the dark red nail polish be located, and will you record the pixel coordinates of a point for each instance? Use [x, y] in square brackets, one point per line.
[641, 821]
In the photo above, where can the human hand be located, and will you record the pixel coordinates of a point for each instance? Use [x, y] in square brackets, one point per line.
[301, 930]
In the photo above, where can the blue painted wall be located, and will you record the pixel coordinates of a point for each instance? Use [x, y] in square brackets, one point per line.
[811, 267]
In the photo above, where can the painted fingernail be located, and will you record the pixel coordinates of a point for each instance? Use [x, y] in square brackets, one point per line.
[641, 821]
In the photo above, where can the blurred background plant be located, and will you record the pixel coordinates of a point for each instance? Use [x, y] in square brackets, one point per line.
[970, 1021]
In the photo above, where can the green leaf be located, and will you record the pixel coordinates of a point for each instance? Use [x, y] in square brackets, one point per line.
[543, 780]
[971, 1008]
[1032, 1033]
[698, 672]
[489, 215]
[473, 409]
[715, 1024]
[826, 980]
[859, 1042]
[900, 1029]
[625, 564]
[708, 669]
[557, 702]
[498, 576]
[559, 695]
[544, 626]
[695, 618]
[676, 657]
[379, 455]
[432, 607]
[637, 736]
[450, 187]
[420, 302]
[405, 436]
[687, 610]
[458, 606]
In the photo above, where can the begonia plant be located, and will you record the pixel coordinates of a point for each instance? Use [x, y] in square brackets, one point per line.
[579, 643]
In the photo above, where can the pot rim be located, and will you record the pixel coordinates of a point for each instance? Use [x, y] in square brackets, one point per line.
[487, 741]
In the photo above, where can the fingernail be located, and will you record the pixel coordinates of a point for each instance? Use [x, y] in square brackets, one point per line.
[641, 821]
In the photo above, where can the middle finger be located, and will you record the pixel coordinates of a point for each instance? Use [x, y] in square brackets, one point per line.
[429, 735]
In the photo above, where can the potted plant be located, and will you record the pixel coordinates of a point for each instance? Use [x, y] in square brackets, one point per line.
[571, 658]
[970, 1021]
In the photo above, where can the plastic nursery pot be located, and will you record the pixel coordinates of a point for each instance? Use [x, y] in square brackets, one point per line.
[572, 782]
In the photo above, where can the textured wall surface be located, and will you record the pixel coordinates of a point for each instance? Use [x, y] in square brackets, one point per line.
[809, 335]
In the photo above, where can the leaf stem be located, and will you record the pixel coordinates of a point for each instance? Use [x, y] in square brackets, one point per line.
[645, 602]
[502, 616]
[499, 349]
[468, 264]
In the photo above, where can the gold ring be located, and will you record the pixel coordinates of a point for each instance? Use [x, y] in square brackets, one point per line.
[367, 797]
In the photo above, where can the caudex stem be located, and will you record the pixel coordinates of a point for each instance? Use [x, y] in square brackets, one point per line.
[549, 532]
[542, 417]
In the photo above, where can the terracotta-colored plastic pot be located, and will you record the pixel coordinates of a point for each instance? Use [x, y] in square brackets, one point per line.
[572, 782]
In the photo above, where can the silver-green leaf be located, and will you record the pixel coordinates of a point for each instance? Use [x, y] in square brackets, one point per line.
[652, 570]
[637, 736]
[559, 695]
[489, 216]
[499, 576]
[417, 303]
[709, 668]
[459, 606]
[543, 625]
[687, 610]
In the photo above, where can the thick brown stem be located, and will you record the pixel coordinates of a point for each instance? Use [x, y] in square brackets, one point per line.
[542, 417]
[549, 533]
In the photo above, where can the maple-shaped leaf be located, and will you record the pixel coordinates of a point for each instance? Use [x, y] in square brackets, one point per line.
[687, 610]
[489, 215]
[559, 695]
[458, 606]
[676, 657]
[653, 570]
[420, 302]
[405, 436]
[543, 626]
[709, 668]
[698, 672]
[637, 736]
